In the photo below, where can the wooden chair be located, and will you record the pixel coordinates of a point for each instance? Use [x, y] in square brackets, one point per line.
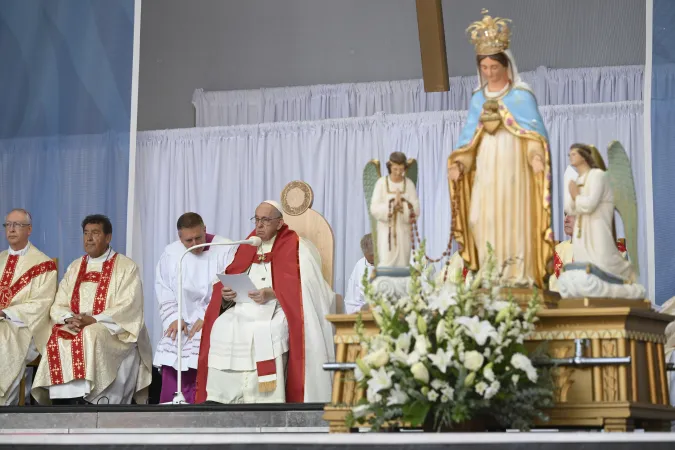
[296, 201]
[33, 364]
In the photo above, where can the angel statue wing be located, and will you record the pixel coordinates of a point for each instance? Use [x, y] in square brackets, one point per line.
[371, 173]
[621, 181]
[411, 171]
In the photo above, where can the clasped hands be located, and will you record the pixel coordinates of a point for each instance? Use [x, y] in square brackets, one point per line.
[456, 169]
[398, 202]
[574, 189]
[260, 296]
[79, 321]
[172, 331]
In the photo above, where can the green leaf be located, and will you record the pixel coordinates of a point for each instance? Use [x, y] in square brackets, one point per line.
[416, 412]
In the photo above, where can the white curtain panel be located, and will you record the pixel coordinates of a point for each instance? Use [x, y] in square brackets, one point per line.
[224, 173]
[552, 87]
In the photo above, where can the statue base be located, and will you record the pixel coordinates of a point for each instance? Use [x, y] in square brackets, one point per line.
[549, 299]
[587, 280]
[613, 397]
[391, 287]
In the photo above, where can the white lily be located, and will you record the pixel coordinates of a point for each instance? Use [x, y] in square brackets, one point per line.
[442, 359]
[479, 330]
[444, 299]
[397, 396]
[380, 379]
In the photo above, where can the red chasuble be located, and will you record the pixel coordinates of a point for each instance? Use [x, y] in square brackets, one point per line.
[286, 284]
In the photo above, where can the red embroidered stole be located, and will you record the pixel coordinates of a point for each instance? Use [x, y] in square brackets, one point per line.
[8, 290]
[77, 347]
[287, 286]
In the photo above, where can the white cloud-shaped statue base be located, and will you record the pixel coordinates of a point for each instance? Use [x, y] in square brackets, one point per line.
[578, 283]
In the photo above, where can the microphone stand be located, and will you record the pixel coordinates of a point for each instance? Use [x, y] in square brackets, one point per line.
[179, 398]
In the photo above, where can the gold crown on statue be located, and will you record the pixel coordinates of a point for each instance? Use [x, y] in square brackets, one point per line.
[490, 35]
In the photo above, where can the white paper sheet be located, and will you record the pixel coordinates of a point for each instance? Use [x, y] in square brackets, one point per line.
[239, 283]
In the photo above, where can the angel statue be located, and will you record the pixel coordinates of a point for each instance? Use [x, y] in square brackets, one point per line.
[500, 173]
[599, 269]
[393, 205]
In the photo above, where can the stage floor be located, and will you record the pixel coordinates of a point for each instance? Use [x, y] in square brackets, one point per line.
[167, 438]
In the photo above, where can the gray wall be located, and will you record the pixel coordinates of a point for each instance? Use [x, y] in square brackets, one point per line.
[248, 44]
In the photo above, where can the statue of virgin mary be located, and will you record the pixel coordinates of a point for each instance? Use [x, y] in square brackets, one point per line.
[500, 173]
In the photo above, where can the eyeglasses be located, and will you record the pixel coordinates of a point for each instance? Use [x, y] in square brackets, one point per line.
[264, 220]
[15, 225]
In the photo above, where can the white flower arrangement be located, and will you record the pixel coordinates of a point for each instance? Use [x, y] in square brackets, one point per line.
[449, 352]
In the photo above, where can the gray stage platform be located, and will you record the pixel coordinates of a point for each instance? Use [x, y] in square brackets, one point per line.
[385, 441]
[232, 418]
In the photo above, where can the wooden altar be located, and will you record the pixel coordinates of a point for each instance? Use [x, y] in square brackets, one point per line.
[611, 397]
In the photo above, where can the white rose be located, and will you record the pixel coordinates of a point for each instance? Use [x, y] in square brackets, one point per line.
[377, 359]
[473, 360]
[492, 390]
[403, 343]
[359, 411]
[421, 345]
[420, 372]
[441, 331]
[522, 362]
[488, 373]
[358, 374]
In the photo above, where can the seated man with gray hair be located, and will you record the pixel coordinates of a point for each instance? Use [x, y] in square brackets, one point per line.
[27, 289]
[354, 300]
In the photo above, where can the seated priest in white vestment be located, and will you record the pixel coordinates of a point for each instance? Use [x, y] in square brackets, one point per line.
[564, 254]
[199, 268]
[354, 300]
[99, 350]
[271, 346]
[27, 290]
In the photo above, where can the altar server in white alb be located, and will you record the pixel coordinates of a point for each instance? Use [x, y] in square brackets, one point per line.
[99, 350]
[200, 267]
[354, 300]
[27, 289]
[270, 346]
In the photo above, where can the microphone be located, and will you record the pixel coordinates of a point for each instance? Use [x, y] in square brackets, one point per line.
[179, 398]
[254, 241]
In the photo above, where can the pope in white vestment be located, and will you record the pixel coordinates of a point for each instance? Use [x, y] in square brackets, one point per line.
[27, 289]
[99, 350]
[270, 347]
[198, 271]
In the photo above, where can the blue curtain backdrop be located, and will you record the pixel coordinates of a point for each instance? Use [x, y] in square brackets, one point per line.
[65, 101]
[663, 146]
